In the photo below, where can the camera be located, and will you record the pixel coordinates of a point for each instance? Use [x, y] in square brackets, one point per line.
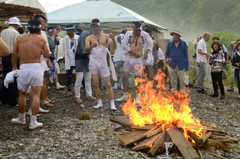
[211, 61]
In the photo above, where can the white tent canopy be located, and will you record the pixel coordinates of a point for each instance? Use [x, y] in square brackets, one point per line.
[111, 15]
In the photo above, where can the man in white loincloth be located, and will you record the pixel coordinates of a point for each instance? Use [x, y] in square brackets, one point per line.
[135, 43]
[97, 45]
[29, 48]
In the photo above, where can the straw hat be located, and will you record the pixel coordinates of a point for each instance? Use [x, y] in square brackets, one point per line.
[177, 31]
[237, 45]
[216, 42]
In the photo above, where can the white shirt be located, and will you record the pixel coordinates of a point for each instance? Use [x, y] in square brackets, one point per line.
[9, 36]
[119, 54]
[43, 60]
[201, 46]
[71, 53]
[161, 54]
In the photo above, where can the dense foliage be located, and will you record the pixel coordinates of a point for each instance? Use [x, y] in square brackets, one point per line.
[189, 15]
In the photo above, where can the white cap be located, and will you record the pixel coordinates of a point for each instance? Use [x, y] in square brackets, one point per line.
[14, 20]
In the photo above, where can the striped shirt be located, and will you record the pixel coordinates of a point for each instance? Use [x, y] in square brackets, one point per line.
[9, 36]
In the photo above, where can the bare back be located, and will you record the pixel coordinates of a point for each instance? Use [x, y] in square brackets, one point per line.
[29, 48]
[136, 45]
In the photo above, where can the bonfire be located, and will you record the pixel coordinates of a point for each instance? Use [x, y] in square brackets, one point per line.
[163, 120]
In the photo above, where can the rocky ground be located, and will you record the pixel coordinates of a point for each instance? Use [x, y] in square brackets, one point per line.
[65, 136]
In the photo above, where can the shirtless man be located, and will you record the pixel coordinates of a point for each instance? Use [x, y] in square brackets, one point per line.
[135, 42]
[96, 44]
[28, 47]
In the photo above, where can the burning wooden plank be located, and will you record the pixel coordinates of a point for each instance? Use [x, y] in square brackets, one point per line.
[131, 137]
[183, 144]
[147, 127]
[154, 132]
[123, 123]
[200, 140]
[198, 127]
[146, 143]
[158, 144]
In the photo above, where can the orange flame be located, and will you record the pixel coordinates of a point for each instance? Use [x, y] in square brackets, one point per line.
[159, 106]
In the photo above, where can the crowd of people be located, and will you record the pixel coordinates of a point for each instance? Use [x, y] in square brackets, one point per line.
[31, 58]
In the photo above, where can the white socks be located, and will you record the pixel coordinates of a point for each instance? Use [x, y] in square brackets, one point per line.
[33, 123]
[112, 105]
[99, 105]
[20, 120]
[115, 86]
[121, 85]
[43, 110]
[124, 98]
[137, 101]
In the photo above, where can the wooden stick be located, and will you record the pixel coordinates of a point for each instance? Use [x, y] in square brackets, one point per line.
[123, 123]
[200, 140]
[151, 130]
[218, 156]
[200, 154]
[142, 155]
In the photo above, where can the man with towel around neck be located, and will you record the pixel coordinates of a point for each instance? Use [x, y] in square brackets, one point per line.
[97, 45]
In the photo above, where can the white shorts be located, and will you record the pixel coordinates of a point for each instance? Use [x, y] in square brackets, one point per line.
[132, 64]
[149, 61]
[99, 66]
[30, 74]
[119, 64]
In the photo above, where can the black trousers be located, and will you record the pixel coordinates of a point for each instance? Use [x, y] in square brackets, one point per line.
[217, 80]
[10, 94]
[237, 75]
[69, 78]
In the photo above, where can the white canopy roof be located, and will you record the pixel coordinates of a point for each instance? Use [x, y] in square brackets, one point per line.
[111, 15]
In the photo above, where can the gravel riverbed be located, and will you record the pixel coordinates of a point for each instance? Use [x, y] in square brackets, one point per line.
[65, 136]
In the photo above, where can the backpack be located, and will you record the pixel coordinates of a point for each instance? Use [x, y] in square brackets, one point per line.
[225, 54]
[171, 43]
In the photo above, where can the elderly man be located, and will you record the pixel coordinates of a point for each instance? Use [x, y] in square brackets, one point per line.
[177, 60]
[29, 48]
[70, 43]
[9, 36]
[97, 45]
[136, 44]
[202, 55]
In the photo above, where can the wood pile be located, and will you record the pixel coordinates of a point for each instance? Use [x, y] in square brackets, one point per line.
[152, 139]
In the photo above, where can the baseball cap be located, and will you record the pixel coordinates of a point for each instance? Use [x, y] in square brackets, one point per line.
[124, 31]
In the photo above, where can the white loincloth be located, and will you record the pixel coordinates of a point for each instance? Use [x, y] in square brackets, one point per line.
[132, 64]
[98, 62]
[30, 74]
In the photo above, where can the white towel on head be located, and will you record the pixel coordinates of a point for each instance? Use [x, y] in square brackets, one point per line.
[10, 77]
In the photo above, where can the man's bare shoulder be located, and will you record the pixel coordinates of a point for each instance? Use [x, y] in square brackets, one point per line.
[89, 37]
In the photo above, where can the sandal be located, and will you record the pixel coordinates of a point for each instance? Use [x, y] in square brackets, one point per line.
[51, 101]
[68, 95]
[78, 100]
[47, 105]
[91, 98]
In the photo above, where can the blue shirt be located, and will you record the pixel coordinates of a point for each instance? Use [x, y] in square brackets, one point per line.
[178, 56]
